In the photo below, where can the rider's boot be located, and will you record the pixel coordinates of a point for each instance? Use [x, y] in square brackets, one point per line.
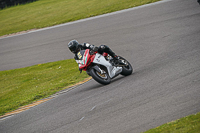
[116, 59]
[104, 48]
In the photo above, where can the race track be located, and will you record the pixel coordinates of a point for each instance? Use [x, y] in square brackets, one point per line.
[160, 40]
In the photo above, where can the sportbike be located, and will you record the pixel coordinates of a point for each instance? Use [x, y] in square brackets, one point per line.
[103, 67]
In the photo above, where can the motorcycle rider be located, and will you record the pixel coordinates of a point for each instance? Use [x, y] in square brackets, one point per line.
[75, 47]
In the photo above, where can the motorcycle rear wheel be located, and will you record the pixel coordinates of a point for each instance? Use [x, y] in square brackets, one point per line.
[100, 78]
[126, 70]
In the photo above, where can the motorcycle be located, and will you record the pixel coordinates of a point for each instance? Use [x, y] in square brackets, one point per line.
[103, 67]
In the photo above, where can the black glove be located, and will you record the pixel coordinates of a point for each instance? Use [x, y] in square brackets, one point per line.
[80, 70]
[95, 48]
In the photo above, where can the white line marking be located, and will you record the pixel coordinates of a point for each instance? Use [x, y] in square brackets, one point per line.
[93, 108]
[81, 118]
[105, 102]
[1, 119]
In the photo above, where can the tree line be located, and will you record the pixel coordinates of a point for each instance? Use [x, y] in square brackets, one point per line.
[9, 3]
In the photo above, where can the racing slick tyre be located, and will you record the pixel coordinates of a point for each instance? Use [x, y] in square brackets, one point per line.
[127, 69]
[102, 78]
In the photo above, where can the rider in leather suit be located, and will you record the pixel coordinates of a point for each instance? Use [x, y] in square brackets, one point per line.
[75, 47]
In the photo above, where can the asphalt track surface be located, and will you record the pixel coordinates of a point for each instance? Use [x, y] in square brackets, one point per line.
[161, 41]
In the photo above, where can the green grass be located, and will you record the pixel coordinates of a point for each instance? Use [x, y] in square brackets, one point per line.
[23, 86]
[44, 13]
[189, 124]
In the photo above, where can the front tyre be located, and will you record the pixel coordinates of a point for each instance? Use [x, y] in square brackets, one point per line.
[127, 69]
[102, 78]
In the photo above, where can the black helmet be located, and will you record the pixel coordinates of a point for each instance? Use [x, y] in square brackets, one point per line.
[73, 46]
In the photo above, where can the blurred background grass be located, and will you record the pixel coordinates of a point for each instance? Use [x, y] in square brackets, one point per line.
[45, 13]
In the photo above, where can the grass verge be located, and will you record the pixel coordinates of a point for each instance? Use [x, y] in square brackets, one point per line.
[23, 86]
[44, 13]
[189, 124]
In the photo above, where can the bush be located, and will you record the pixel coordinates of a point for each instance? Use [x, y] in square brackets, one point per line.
[8, 3]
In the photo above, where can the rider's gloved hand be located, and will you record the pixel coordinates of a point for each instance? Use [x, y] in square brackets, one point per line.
[80, 70]
[95, 48]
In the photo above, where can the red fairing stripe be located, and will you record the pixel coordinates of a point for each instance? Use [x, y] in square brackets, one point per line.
[87, 60]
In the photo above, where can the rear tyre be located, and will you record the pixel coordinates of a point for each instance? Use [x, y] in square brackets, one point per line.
[103, 78]
[127, 69]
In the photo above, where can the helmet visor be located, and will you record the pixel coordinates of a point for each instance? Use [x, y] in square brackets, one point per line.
[72, 48]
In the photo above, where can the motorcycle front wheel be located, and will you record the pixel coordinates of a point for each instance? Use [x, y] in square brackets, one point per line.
[102, 78]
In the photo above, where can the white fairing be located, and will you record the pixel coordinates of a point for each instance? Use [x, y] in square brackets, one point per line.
[112, 70]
